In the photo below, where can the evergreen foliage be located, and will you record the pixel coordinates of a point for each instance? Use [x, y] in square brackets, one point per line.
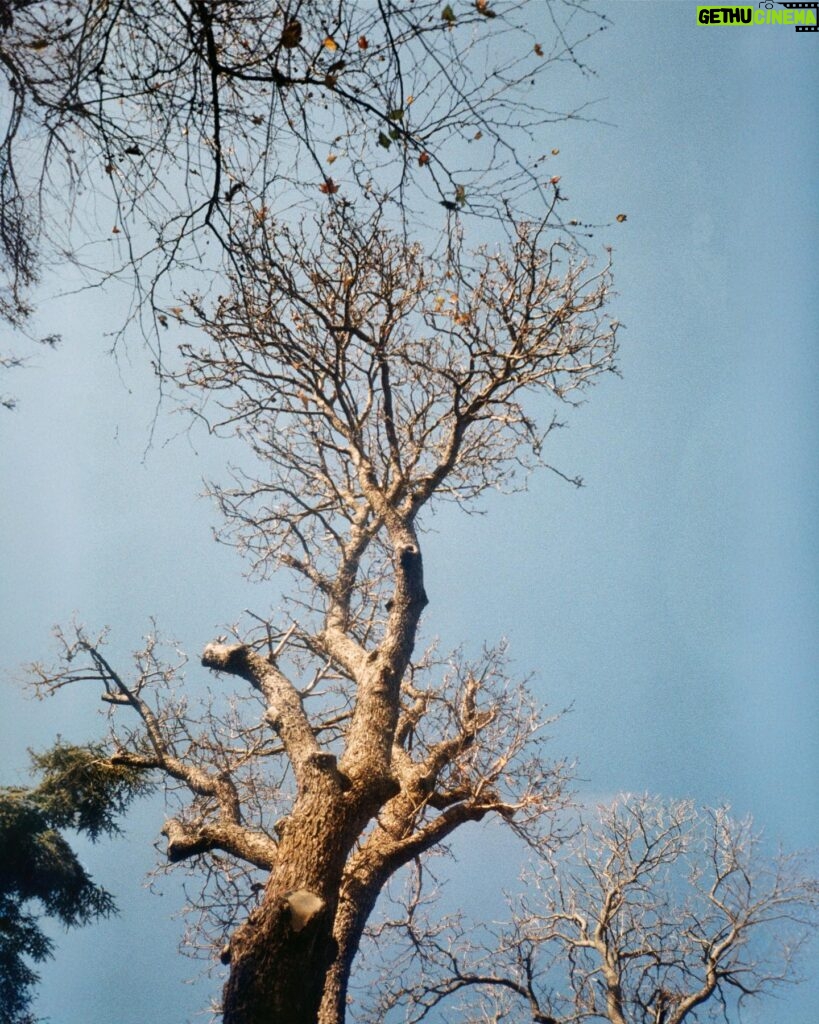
[81, 790]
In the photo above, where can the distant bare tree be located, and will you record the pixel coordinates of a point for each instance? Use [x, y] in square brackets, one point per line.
[655, 913]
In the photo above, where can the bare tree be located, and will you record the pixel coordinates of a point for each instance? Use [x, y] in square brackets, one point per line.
[655, 913]
[368, 381]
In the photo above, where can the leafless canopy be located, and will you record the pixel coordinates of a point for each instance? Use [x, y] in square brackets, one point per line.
[367, 381]
[656, 913]
[175, 118]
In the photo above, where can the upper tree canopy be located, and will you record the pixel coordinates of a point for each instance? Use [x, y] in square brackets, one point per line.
[179, 119]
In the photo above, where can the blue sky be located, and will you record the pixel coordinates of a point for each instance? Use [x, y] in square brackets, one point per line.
[672, 601]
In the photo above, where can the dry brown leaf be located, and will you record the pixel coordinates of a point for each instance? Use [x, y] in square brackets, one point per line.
[291, 34]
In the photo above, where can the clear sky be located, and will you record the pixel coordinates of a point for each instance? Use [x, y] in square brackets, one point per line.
[672, 601]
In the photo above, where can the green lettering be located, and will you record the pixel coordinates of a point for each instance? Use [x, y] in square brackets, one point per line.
[788, 17]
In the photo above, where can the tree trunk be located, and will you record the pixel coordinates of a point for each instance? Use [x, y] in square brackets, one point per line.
[280, 956]
[358, 898]
[280, 968]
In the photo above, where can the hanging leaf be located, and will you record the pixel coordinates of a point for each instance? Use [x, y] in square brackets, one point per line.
[330, 44]
[448, 15]
[423, 159]
[291, 34]
[397, 114]
[460, 194]
[328, 187]
[555, 152]
[362, 43]
[538, 49]
[554, 179]
[477, 135]
[620, 218]
[331, 158]
[234, 190]
[482, 7]
[384, 140]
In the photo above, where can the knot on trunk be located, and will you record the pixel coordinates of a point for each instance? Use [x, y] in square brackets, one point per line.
[410, 566]
[303, 905]
[406, 555]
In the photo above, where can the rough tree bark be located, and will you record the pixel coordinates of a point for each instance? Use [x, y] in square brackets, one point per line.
[280, 957]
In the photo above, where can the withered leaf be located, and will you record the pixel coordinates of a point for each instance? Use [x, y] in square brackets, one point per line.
[291, 34]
